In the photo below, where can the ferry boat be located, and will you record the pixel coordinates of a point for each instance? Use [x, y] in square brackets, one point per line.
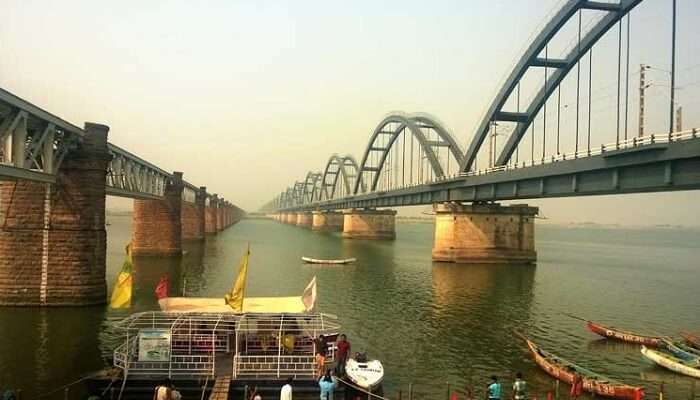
[227, 351]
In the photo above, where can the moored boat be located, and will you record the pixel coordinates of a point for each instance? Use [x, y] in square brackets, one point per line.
[614, 333]
[682, 351]
[322, 261]
[366, 374]
[691, 339]
[670, 362]
[565, 371]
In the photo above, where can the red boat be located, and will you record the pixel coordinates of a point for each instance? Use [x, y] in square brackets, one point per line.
[564, 371]
[613, 333]
[691, 339]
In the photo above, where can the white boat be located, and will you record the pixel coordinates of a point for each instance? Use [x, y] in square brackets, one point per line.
[319, 261]
[670, 362]
[366, 375]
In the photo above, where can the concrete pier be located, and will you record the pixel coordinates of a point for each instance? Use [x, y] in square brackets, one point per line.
[52, 237]
[327, 221]
[291, 218]
[369, 224]
[484, 233]
[304, 219]
[157, 224]
[210, 217]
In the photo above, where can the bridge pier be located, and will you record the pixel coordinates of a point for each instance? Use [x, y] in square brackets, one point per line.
[220, 215]
[192, 217]
[210, 216]
[52, 237]
[327, 221]
[304, 219]
[291, 218]
[484, 233]
[369, 224]
[157, 225]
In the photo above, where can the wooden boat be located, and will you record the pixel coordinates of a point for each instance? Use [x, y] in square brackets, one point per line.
[625, 336]
[366, 374]
[671, 362]
[320, 261]
[683, 352]
[691, 339]
[564, 370]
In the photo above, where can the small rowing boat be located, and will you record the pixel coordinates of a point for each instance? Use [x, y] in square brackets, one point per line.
[691, 339]
[625, 336]
[682, 351]
[320, 261]
[670, 362]
[366, 374]
[564, 370]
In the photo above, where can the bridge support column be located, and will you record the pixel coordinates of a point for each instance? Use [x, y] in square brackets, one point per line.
[369, 224]
[220, 215]
[291, 218]
[157, 224]
[210, 217]
[304, 219]
[193, 217]
[484, 233]
[52, 237]
[327, 221]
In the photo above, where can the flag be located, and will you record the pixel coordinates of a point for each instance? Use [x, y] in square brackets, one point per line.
[162, 287]
[235, 298]
[121, 295]
[309, 295]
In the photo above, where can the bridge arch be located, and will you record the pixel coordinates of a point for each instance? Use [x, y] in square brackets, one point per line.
[311, 188]
[337, 167]
[531, 58]
[396, 124]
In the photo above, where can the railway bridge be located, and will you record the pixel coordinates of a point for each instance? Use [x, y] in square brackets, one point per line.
[546, 152]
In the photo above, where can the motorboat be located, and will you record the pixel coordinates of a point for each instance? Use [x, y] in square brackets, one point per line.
[365, 373]
[321, 261]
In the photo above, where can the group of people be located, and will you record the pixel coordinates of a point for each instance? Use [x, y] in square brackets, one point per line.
[341, 356]
[494, 390]
[166, 391]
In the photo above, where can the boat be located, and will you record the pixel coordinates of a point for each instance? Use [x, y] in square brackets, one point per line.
[236, 301]
[321, 261]
[670, 362]
[625, 336]
[366, 374]
[681, 351]
[691, 339]
[564, 370]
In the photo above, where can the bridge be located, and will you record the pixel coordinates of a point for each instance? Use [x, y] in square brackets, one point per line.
[54, 178]
[413, 159]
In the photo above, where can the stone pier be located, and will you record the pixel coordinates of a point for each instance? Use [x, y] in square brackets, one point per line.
[157, 226]
[52, 237]
[369, 224]
[193, 217]
[291, 218]
[304, 219]
[210, 217]
[484, 233]
[220, 215]
[327, 221]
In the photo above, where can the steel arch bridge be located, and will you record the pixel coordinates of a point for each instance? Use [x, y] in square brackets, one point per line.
[656, 162]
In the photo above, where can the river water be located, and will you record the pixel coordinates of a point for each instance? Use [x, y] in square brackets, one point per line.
[429, 323]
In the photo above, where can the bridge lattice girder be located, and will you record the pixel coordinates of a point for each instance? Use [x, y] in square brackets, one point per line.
[496, 112]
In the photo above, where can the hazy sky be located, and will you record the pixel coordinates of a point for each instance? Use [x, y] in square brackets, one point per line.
[245, 97]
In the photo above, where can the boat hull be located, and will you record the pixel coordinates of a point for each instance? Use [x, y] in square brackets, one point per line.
[319, 261]
[560, 372]
[691, 339]
[670, 362]
[683, 352]
[616, 334]
[366, 375]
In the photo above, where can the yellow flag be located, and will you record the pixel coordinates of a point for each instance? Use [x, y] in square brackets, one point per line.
[235, 298]
[121, 295]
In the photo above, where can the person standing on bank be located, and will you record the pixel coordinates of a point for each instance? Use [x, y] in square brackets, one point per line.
[286, 392]
[327, 384]
[494, 389]
[342, 356]
[519, 387]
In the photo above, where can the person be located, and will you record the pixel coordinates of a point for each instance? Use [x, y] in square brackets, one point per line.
[327, 384]
[519, 387]
[320, 344]
[494, 389]
[163, 391]
[254, 395]
[286, 392]
[576, 384]
[343, 350]
[320, 363]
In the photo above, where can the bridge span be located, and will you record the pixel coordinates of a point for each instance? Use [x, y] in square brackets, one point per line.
[413, 159]
[54, 179]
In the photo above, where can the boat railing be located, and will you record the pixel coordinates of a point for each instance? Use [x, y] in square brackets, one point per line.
[274, 366]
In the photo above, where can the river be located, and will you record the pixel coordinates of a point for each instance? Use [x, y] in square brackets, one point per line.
[429, 323]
